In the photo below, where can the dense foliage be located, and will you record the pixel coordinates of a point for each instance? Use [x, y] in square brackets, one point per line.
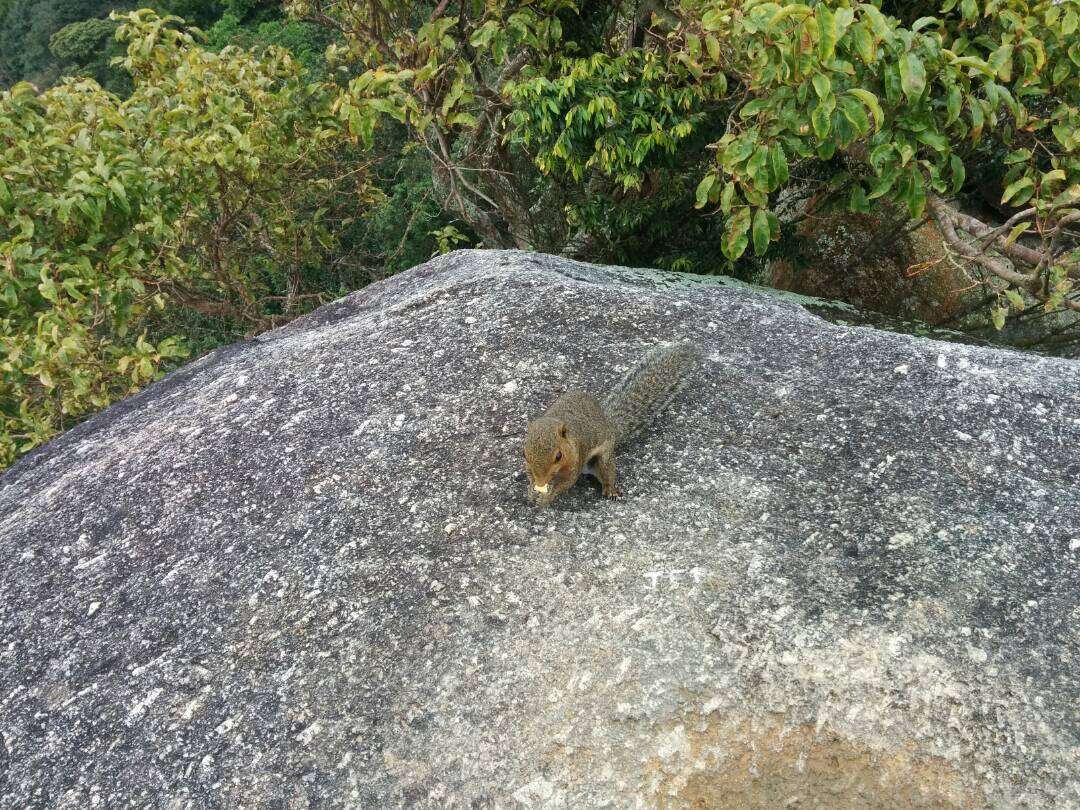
[216, 188]
[870, 105]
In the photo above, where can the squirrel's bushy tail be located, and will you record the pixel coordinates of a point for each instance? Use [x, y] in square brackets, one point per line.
[646, 390]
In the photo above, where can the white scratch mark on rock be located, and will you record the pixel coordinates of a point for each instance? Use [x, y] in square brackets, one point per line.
[139, 709]
[539, 789]
[81, 564]
[309, 733]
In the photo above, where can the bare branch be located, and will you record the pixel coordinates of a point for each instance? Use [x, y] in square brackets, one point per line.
[949, 219]
[980, 229]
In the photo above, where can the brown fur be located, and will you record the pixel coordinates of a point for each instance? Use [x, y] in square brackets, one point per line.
[575, 430]
[578, 434]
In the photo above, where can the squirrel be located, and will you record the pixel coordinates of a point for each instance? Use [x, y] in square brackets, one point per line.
[579, 433]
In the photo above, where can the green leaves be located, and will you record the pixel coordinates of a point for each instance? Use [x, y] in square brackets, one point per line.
[865, 44]
[822, 78]
[953, 101]
[47, 288]
[958, 172]
[701, 195]
[712, 45]
[934, 140]
[754, 107]
[977, 119]
[831, 27]
[884, 184]
[1016, 231]
[821, 117]
[855, 114]
[1070, 22]
[125, 218]
[761, 231]
[1015, 300]
[778, 164]
[727, 197]
[616, 115]
[878, 23]
[911, 191]
[912, 75]
[871, 102]
[766, 229]
[756, 165]
[828, 33]
[737, 151]
[1001, 61]
[857, 201]
[734, 242]
[1020, 189]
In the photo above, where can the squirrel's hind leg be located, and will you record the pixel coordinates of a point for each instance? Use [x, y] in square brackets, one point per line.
[604, 464]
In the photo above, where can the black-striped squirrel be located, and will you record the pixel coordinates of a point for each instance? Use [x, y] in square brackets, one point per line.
[579, 433]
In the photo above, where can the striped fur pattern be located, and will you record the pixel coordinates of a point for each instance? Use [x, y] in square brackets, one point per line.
[648, 389]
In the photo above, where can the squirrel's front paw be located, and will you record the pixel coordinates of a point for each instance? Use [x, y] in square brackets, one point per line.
[613, 492]
[539, 500]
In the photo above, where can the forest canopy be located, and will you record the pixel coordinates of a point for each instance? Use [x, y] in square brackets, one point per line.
[166, 188]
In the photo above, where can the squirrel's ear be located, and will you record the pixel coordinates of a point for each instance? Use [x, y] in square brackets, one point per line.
[562, 430]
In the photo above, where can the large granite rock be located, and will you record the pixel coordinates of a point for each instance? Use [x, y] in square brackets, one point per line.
[302, 571]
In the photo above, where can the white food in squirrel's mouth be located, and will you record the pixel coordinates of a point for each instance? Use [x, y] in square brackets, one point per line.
[543, 489]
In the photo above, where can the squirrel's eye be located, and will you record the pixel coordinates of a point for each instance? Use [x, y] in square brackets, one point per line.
[558, 456]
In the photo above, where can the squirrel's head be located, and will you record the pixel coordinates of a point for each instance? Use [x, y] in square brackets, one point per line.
[548, 452]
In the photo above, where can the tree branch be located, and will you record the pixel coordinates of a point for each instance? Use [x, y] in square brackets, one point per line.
[949, 219]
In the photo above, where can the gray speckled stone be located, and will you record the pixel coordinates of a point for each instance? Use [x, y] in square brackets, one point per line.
[302, 571]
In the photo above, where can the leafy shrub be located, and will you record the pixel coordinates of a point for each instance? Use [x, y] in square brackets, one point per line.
[212, 189]
[558, 141]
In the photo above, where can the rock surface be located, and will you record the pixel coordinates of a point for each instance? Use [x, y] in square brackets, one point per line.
[302, 571]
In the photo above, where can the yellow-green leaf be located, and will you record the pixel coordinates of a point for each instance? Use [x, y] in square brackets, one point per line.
[871, 102]
[1069, 22]
[956, 167]
[1001, 62]
[712, 44]
[1015, 232]
[778, 163]
[1014, 187]
[701, 196]
[726, 197]
[1016, 300]
[952, 104]
[912, 75]
[821, 120]
[762, 232]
